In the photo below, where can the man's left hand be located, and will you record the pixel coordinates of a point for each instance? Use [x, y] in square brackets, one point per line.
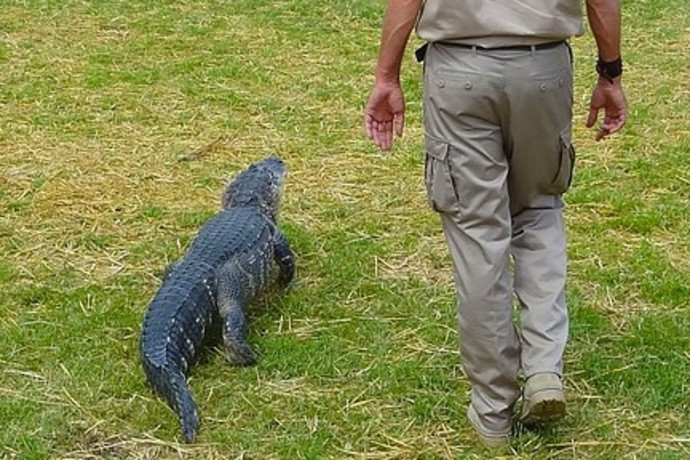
[610, 97]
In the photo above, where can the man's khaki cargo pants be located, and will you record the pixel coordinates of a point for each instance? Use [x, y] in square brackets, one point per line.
[499, 157]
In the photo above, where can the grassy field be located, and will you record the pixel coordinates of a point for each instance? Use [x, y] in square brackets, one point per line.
[120, 123]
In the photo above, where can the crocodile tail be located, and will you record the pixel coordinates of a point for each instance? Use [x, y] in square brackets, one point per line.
[170, 382]
[184, 402]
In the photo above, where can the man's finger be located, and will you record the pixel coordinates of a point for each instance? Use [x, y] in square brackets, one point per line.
[602, 133]
[383, 136]
[377, 137]
[610, 126]
[374, 128]
[367, 126]
[593, 115]
[617, 124]
[399, 122]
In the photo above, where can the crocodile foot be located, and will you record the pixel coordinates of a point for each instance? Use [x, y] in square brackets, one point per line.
[240, 354]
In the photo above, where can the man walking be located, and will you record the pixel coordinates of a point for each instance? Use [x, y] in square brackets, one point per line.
[498, 98]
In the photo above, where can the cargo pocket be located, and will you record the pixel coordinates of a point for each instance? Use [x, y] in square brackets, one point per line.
[566, 165]
[440, 185]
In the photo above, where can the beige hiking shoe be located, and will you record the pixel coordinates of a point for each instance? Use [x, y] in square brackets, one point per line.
[543, 400]
[488, 438]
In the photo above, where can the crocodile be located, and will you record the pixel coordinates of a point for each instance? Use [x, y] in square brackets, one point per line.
[226, 266]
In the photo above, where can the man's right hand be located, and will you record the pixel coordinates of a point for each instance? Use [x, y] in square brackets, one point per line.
[384, 112]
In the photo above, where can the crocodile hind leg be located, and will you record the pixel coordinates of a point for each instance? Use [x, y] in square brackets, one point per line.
[285, 259]
[235, 327]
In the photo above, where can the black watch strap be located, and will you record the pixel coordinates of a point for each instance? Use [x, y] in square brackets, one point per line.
[610, 70]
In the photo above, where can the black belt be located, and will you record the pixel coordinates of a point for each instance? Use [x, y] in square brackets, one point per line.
[421, 51]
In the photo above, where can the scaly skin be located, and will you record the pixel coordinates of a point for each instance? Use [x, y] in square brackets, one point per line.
[226, 266]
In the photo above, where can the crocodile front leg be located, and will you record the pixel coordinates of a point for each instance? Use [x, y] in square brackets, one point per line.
[235, 328]
[285, 259]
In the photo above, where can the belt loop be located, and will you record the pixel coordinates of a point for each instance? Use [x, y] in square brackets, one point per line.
[474, 50]
[533, 48]
[570, 52]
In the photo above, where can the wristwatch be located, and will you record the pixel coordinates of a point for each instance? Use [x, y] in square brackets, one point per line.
[610, 70]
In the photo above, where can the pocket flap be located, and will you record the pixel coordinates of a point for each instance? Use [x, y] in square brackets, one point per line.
[564, 175]
[436, 148]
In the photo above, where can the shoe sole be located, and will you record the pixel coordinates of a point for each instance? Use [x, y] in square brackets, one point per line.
[544, 407]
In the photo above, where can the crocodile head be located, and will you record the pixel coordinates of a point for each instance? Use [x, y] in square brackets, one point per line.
[260, 185]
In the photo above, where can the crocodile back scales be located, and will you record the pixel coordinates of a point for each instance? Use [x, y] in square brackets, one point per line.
[185, 305]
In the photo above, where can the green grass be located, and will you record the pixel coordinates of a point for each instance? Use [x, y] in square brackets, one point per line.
[99, 103]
